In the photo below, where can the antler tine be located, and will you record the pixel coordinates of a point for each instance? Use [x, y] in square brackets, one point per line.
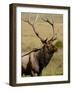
[47, 21]
[54, 37]
[36, 18]
[53, 27]
[27, 21]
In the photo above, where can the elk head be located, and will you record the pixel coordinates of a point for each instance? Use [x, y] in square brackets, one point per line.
[48, 44]
[50, 47]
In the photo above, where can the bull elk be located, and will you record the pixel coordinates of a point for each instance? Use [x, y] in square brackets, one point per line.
[33, 62]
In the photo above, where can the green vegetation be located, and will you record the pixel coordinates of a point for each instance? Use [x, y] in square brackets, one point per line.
[59, 44]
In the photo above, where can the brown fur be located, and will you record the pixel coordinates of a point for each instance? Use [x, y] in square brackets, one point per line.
[35, 61]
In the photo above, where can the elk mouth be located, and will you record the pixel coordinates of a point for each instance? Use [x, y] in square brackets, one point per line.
[55, 49]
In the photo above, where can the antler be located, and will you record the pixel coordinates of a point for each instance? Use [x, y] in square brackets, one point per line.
[29, 22]
[52, 24]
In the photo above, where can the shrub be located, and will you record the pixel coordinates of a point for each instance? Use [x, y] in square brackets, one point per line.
[59, 44]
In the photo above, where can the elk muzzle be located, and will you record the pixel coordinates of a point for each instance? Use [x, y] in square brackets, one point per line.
[55, 49]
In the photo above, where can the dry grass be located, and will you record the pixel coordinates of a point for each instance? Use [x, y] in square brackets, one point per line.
[29, 41]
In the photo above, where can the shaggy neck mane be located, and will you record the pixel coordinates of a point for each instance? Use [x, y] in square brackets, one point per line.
[44, 57]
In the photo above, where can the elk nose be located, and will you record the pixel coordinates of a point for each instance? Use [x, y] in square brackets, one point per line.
[55, 49]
